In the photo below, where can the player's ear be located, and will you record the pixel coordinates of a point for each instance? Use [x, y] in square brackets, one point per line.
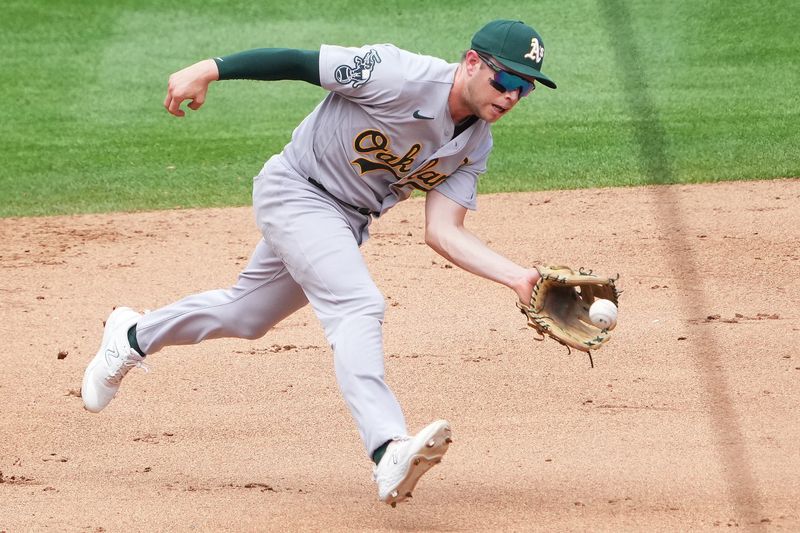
[472, 61]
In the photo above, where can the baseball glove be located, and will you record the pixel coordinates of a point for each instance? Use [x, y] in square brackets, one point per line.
[560, 304]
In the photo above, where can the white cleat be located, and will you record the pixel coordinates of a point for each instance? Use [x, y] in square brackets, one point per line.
[407, 459]
[113, 360]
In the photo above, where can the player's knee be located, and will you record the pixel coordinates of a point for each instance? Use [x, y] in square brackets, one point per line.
[247, 323]
[373, 305]
[367, 308]
[252, 330]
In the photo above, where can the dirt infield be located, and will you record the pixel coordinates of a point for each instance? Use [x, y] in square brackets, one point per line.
[689, 420]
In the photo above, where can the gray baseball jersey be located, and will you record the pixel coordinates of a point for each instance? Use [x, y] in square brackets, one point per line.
[385, 129]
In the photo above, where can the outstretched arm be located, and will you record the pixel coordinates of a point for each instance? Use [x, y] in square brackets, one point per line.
[446, 234]
[192, 82]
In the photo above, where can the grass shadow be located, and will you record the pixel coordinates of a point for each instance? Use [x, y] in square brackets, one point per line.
[655, 165]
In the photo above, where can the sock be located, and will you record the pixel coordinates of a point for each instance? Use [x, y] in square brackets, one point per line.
[377, 455]
[132, 340]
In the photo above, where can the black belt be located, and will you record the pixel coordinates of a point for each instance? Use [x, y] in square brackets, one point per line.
[363, 210]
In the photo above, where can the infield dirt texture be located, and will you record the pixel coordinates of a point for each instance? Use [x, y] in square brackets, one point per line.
[687, 422]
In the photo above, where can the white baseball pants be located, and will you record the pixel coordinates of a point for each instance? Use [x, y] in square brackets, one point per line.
[309, 253]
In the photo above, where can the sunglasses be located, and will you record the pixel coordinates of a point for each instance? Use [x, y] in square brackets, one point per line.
[505, 81]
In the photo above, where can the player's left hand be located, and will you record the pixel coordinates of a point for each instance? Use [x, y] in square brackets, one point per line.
[525, 284]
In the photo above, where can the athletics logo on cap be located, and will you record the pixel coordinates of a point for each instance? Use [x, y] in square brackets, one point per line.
[537, 51]
[515, 46]
[361, 72]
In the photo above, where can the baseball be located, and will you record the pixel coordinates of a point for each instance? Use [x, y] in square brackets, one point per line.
[603, 314]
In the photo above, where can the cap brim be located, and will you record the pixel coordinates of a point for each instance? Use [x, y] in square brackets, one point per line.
[526, 70]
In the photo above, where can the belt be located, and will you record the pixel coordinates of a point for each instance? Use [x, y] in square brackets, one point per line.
[363, 210]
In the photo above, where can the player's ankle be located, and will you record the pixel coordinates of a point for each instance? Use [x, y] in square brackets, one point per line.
[133, 342]
[377, 455]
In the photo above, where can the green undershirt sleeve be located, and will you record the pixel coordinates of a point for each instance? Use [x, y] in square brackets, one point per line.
[270, 64]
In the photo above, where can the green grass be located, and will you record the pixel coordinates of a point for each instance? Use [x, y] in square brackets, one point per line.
[649, 92]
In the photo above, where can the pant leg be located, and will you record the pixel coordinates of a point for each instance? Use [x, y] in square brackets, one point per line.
[318, 241]
[263, 295]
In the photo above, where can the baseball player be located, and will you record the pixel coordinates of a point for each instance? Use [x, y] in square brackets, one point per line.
[392, 122]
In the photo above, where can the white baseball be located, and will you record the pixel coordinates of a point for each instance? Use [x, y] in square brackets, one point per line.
[603, 314]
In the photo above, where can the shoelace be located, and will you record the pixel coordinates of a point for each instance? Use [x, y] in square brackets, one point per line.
[125, 367]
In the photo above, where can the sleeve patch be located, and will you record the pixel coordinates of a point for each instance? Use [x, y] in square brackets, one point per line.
[361, 72]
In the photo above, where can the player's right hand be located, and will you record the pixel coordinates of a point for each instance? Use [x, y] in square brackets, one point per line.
[190, 83]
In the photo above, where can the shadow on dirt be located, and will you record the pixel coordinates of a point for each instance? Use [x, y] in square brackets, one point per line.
[655, 166]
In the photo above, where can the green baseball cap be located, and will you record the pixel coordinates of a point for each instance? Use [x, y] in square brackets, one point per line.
[514, 45]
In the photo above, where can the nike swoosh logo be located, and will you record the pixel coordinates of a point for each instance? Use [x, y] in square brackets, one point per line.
[109, 354]
[421, 117]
